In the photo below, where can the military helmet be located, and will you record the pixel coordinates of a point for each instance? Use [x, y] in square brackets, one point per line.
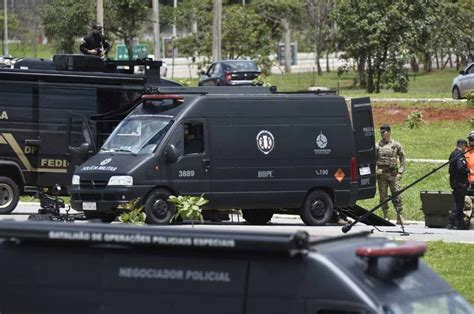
[96, 26]
[470, 137]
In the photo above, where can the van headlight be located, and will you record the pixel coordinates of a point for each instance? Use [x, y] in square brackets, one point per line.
[76, 180]
[121, 180]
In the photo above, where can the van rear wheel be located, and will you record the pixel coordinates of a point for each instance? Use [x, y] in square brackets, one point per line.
[318, 208]
[157, 208]
[257, 216]
[9, 195]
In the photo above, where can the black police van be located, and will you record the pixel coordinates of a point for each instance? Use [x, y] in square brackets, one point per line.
[261, 153]
[97, 268]
[47, 107]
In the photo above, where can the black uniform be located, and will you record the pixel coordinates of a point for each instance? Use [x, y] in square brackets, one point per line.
[459, 182]
[94, 40]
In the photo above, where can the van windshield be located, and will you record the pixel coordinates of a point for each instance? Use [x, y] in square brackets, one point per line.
[442, 304]
[138, 135]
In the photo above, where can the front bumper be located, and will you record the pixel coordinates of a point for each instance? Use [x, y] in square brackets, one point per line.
[107, 199]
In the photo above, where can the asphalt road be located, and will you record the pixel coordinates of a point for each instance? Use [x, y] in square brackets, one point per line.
[416, 231]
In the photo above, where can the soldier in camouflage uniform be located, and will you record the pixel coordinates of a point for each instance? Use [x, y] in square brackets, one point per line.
[390, 167]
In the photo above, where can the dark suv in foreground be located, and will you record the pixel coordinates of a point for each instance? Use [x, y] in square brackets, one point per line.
[230, 73]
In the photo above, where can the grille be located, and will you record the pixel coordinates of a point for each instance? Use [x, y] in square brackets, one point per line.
[93, 184]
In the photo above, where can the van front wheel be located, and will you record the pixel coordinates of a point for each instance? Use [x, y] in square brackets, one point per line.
[157, 208]
[257, 216]
[9, 195]
[317, 209]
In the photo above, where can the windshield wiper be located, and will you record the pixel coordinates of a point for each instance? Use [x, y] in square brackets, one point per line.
[125, 151]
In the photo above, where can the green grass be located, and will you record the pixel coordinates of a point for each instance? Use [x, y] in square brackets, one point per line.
[18, 50]
[453, 262]
[430, 85]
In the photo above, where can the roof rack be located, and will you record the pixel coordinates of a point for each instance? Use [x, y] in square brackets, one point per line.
[214, 90]
[292, 244]
[315, 92]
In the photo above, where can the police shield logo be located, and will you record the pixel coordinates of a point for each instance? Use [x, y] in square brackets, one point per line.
[265, 141]
[105, 161]
[321, 140]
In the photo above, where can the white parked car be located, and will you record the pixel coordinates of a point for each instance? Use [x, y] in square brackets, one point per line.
[163, 68]
[464, 82]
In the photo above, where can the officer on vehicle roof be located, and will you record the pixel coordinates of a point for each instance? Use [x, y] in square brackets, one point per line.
[94, 43]
[458, 179]
[388, 172]
[470, 162]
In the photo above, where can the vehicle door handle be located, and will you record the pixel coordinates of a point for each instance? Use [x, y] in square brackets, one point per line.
[206, 164]
[32, 142]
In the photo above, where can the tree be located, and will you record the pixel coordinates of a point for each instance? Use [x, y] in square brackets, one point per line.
[125, 19]
[371, 32]
[13, 24]
[65, 20]
[247, 31]
[318, 15]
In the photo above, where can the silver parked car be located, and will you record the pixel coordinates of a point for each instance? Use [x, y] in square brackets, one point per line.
[464, 82]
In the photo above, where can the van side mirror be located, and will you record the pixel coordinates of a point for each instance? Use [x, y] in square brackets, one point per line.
[462, 72]
[202, 72]
[83, 152]
[171, 154]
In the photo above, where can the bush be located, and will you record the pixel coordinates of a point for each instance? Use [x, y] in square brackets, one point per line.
[396, 76]
[414, 120]
[134, 215]
[188, 207]
[470, 99]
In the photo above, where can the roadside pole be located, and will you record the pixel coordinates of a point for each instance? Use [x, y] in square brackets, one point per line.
[5, 28]
[175, 6]
[156, 29]
[216, 36]
[100, 13]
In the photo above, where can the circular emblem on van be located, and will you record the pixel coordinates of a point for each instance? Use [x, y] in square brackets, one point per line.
[105, 161]
[265, 141]
[321, 140]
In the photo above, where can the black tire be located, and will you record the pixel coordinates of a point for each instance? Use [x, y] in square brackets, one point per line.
[106, 218]
[317, 209]
[158, 210]
[9, 195]
[456, 93]
[257, 216]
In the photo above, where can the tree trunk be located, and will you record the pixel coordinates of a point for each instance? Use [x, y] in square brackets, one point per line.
[327, 62]
[370, 76]
[427, 62]
[415, 67]
[318, 64]
[437, 59]
[128, 43]
[362, 73]
[287, 37]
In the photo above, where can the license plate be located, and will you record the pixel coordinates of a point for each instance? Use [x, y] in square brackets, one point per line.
[363, 171]
[89, 206]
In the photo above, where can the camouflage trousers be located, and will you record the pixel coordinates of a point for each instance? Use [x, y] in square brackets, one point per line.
[387, 180]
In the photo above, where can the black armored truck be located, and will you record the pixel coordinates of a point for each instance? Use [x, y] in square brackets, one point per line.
[48, 107]
[98, 268]
[266, 152]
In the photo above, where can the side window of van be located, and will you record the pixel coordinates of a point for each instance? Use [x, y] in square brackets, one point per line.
[193, 138]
